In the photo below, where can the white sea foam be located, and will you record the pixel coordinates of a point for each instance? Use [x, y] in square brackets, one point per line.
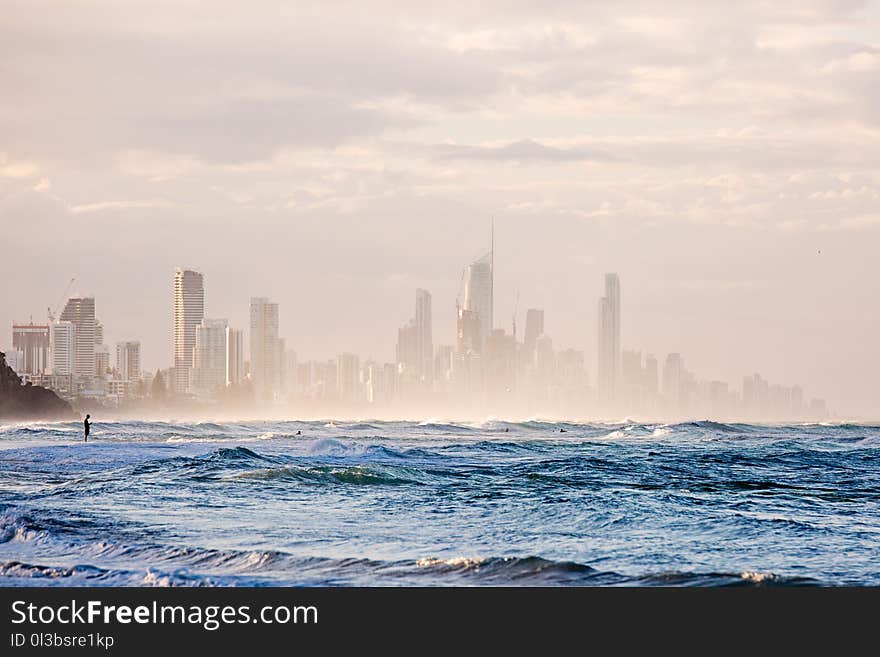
[757, 577]
[457, 562]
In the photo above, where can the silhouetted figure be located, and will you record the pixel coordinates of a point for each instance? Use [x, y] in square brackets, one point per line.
[86, 427]
[299, 433]
[562, 431]
[506, 429]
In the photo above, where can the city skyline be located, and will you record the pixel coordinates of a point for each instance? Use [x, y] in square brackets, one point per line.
[484, 371]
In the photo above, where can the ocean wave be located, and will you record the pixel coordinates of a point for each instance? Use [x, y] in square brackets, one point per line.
[357, 475]
[13, 572]
[449, 427]
[696, 579]
[145, 564]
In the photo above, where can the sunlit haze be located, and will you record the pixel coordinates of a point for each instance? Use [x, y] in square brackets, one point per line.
[333, 158]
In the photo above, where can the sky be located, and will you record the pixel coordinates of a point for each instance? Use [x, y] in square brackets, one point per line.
[722, 158]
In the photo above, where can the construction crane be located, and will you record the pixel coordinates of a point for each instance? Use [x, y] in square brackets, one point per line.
[52, 312]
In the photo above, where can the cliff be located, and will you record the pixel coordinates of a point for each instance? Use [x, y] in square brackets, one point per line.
[28, 402]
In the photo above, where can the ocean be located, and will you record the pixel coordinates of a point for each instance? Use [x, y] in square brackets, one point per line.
[429, 503]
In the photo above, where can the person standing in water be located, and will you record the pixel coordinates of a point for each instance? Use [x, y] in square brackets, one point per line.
[86, 427]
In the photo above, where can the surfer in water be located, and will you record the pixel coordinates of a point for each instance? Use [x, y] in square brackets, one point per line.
[86, 427]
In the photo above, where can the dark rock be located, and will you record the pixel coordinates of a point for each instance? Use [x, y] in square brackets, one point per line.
[20, 401]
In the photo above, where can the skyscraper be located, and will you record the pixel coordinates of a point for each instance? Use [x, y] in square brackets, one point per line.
[128, 361]
[80, 311]
[651, 381]
[63, 348]
[209, 355]
[478, 291]
[609, 340]
[234, 356]
[672, 382]
[347, 381]
[415, 345]
[33, 341]
[265, 348]
[189, 311]
[424, 337]
[534, 330]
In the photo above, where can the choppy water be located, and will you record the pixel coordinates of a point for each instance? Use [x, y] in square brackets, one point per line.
[375, 503]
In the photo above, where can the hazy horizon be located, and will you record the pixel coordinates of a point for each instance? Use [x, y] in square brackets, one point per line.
[722, 160]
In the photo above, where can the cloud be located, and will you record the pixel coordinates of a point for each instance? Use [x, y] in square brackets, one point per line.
[525, 150]
[9, 169]
[854, 223]
[102, 206]
[865, 61]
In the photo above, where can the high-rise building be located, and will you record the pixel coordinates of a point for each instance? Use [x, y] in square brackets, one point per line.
[424, 337]
[444, 364]
[545, 361]
[609, 340]
[99, 332]
[209, 355]
[102, 360]
[234, 356]
[265, 350]
[33, 341]
[63, 348]
[631, 379]
[407, 351]
[80, 311]
[291, 363]
[500, 374]
[534, 330]
[570, 370]
[673, 381]
[348, 377]
[189, 311]
[415, 345]
[467, 332]
[651, 384]
[478, 294]
[128, 361]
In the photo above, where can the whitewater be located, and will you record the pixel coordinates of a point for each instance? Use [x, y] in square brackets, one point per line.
[330, 503]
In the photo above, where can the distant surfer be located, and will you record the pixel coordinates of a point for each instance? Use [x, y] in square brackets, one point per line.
[86, 427]
[299, 433]
[562, 431]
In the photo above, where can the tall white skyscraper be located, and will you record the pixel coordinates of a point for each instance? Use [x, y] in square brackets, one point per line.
[189, 311]
[63, 348]
[265, 348]
[609, 339]
[80, 311]
[128, 360]
[209, 355]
